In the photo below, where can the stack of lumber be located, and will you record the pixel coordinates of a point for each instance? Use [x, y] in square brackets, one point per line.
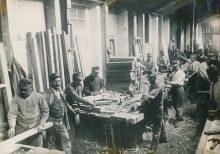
[121, 74]
[49, 52]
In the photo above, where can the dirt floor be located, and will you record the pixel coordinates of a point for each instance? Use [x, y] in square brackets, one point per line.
[181, 140]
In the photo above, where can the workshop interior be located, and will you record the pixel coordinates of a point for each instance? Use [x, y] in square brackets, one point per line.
[109, 76]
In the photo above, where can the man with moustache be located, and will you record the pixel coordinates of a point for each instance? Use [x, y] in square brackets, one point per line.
[27, 110]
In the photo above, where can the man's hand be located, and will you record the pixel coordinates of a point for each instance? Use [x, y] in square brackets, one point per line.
[11, 132]
[40, 128]
[145, 97]
[94, 93]
[75, 111]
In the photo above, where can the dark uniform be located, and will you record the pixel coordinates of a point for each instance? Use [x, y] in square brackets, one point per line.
[92, 84]
[153, 114]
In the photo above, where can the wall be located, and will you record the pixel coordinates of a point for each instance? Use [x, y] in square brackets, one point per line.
[94, 54]
[123, 45]
[112, 32]
[24, 16]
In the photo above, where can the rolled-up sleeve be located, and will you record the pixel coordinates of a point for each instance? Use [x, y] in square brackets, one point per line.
[13, 113]
[44, 109]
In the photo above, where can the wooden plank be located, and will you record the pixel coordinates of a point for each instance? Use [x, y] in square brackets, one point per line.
[44, 53]
[5, 78]
[55, 52]
[50, 55]
[203, 139]
[68, 77]
[60, 58]
[35, 62]
[79, 50]
[42, 60]
[22, 136]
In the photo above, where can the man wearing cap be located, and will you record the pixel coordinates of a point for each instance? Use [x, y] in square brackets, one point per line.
[177, 91]
[27, 110]
[162, 62]
[58, 115]
[149, 64]
[93, 84]
[152, 104]
[73, 94]
[201, 57]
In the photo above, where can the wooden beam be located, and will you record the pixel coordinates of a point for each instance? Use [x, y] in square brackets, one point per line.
[22, 136]
[50, 54]
[54, 39]
[60, 59]
[5, 78]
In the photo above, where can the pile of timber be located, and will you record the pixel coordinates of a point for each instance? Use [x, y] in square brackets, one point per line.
[49, 52]
[122, 74]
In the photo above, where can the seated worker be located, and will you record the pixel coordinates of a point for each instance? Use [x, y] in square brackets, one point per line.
[177, 91]
[149, 64]
[93, 84]
[162, 62]
[28, 110]
[152, 103]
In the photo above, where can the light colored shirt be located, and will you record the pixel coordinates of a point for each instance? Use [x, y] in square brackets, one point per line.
[194, 67]
[202, 70]
[178, 78]
[28, 112]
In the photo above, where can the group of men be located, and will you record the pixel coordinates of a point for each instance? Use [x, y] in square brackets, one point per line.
[30, 109]
[200, 73]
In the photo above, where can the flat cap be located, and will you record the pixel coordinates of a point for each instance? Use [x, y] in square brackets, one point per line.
[77, 76]
[25, 83]
[53, 76]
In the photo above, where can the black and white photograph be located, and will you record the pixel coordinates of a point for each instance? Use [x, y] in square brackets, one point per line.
[109, 76]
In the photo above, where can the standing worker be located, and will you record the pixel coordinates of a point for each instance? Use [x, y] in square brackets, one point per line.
[153, 111]
[58, 115]
[93, 84]
[27, 110]
[177, 91]
[162, 62]
[73, 94]
[149, 64]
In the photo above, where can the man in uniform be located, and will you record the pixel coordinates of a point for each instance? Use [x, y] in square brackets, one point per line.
[93, 84]
[58, 115]
[177, 91]
[162, 62]
[149, 64]
[153, 111]
[73, 94]
[27, 110]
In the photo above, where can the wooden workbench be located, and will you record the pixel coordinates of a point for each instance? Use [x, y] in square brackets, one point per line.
[204, 144]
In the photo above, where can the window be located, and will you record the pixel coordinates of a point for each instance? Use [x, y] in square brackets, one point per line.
[78, 21]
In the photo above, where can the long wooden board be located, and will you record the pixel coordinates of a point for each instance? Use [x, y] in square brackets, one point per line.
[55, 50]
[60, 58]
[50, 54]
[23, 136]
[33, 49]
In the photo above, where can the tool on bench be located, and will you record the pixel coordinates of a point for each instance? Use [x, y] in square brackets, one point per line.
[215, 142]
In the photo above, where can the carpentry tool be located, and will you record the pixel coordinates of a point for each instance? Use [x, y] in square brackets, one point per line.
[215, 143]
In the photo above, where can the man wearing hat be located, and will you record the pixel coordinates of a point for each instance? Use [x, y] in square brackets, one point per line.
[58, 115]
[177, 90]
[27, 110]
[149, 64]
[93, 84]
[152, 104]
[162, 62]
[73, 94]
